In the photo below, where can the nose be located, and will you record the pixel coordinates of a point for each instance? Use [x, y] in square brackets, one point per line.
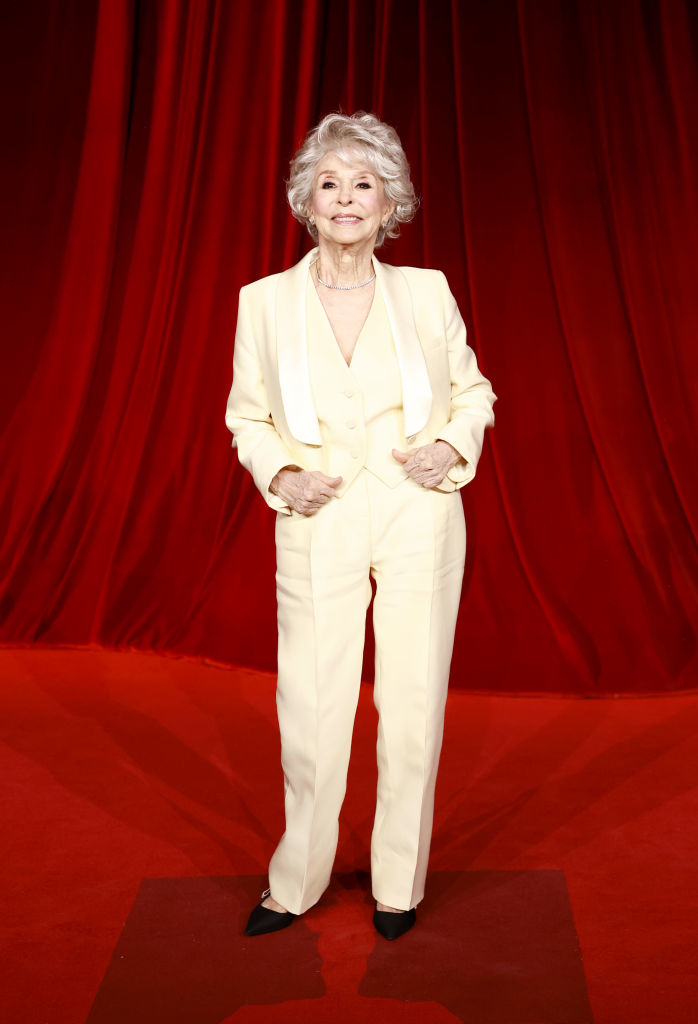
[344, 195]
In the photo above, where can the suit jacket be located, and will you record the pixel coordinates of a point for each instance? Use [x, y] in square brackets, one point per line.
[270, 408]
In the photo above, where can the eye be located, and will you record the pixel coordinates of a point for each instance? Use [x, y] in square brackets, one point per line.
[327, 184]
[364, 184]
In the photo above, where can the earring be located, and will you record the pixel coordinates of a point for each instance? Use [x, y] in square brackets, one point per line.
[311, 220]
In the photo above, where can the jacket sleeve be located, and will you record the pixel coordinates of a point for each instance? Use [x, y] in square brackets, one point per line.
[472, 398]
[248, 416]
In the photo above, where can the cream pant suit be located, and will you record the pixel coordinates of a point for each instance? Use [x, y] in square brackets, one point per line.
[294, 401]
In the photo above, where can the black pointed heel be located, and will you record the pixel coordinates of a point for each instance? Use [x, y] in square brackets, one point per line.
[392, 926]
[262, 920]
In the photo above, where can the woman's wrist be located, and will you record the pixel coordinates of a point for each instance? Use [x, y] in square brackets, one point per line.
[455, 455]
[276, 480]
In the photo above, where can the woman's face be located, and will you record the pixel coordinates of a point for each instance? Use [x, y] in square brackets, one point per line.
[348, 201]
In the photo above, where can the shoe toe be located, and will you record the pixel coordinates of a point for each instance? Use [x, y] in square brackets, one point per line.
[262, 921]
[391, 926]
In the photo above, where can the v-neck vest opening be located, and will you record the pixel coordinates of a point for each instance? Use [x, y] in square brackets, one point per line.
[313, 298]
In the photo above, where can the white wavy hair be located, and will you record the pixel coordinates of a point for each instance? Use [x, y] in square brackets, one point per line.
[351, 135]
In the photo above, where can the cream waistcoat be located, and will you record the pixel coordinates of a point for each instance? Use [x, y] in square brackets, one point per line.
[358, 407]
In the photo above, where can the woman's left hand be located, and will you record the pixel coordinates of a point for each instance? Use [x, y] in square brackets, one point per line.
[429, 464]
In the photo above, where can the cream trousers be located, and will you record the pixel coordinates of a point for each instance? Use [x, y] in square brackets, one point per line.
[412, 541]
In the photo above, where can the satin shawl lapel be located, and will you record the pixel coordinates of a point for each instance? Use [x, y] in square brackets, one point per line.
[292, 351]
[416, 389]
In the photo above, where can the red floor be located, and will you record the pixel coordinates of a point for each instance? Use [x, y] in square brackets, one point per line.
[142, 798]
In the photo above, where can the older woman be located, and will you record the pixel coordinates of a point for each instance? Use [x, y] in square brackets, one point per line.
[359, 410]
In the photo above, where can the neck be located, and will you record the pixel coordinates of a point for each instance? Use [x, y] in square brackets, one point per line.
[344, 265]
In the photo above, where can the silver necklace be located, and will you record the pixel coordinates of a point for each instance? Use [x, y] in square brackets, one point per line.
[341, 287]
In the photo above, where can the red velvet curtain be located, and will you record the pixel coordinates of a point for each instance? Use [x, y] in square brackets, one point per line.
[555, 147]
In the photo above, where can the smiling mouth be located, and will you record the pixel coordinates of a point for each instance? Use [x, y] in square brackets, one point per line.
[345, 218]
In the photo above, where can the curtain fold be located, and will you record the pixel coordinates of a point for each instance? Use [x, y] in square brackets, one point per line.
[555, 149]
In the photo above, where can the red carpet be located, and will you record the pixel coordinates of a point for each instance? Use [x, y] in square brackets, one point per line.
[142, 798]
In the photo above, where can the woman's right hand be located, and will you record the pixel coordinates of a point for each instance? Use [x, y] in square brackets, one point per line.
[304, 490]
